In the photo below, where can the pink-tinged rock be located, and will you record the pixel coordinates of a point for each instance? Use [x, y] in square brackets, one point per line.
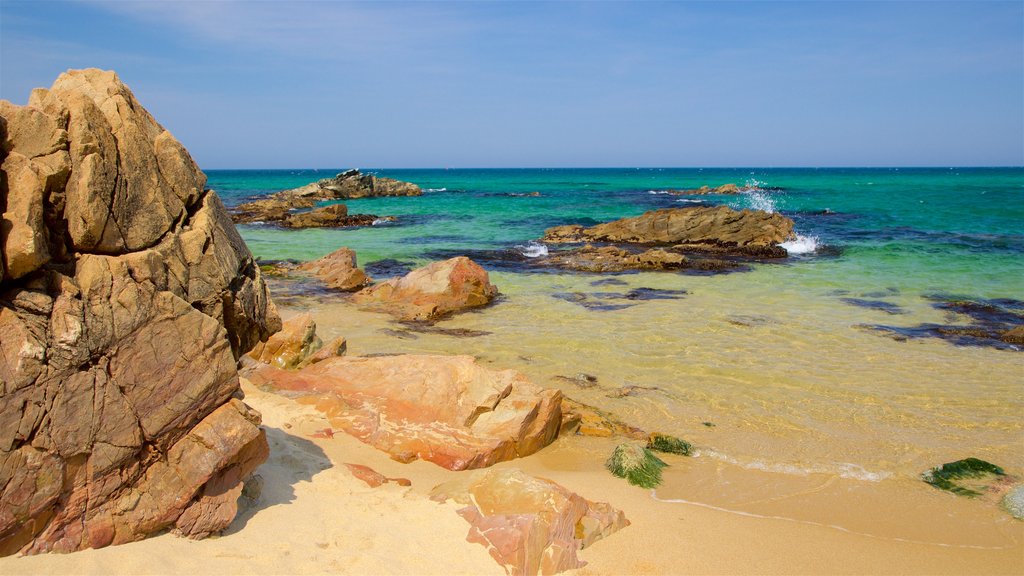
[338, 270]
[135, 297]
[373, 478]
[529, 525]
[448, 410]
[431, 292]
[297, 345]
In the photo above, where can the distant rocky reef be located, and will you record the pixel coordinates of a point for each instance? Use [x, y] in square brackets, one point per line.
[288, 208]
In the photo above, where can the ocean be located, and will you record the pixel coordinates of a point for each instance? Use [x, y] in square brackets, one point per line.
[817, 388]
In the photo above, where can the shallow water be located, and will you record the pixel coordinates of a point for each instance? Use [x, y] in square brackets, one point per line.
[813, 416]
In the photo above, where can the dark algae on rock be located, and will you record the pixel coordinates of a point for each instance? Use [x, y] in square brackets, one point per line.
[968, 477]
[637, 464]
[669, 444]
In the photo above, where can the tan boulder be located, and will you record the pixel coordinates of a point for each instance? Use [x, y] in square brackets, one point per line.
[296, 341]
[1014, 335]
[717, 226]
[338, 270]
[431, 292]
[118, 343]
[529, 525]
[448, 410]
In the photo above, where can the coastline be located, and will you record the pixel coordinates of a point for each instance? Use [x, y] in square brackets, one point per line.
[316, 518]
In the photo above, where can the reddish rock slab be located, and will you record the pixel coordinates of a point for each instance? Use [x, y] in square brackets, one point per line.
[373, 478]
[529, 525]
[448, 410]
[431, 292]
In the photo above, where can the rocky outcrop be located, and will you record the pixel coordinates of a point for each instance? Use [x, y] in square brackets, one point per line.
[448, 410]
[127, 298]
[291, 215]
[431, 292]
[338, 270]
[529, 525]
[285, 208]
[706, 190]
[695, 227]
[354, 184]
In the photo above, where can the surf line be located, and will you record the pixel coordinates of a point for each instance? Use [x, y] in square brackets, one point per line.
[654, 496]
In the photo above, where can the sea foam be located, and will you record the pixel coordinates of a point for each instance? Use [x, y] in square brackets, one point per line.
[802, 245]
[533, 249]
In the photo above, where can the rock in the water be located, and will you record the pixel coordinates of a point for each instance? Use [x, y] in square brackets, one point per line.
[448, 410]
[1014, 335]
[354, 184]
[615, 259]
[530, 525]
[297, 345]
[126, 300]
[705, 190]
[585, 420]
[968, 477]
[338, 270]
[718, 226]
[280, 207]
[669, 444]
[636, 464]
[431, 292]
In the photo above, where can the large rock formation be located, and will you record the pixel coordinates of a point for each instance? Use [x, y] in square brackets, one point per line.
[718, 226]
[529, 525]
[431, 292]
[127, 297]
[448, 410]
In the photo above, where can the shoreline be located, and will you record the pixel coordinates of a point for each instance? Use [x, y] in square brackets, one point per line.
[295, 529]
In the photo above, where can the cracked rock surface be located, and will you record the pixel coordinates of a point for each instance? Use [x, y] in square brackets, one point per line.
[126, 298]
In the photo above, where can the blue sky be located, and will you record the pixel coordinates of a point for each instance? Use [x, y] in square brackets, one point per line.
[487, 84]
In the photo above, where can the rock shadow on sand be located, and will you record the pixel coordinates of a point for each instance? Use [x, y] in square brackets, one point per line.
[292, 460]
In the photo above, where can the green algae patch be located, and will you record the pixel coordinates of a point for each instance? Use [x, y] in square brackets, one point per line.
[669, 444]
[636, 464]
[968, 477]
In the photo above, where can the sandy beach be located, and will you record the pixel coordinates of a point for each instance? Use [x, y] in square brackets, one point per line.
[314, 517]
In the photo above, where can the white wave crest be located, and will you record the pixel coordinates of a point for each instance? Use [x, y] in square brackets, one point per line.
[690, 201]
[533, 249]
[801, 245]
[841, 469]
[436, 190]
[382, 221]
[659, 191]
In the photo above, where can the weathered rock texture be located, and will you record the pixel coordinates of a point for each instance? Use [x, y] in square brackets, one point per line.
[614, 259]
[530, 525]
[448, 410]
[431, 292]
[281, 207]
[694, 226]
[338, 270]
[127, 297]
[297, 345]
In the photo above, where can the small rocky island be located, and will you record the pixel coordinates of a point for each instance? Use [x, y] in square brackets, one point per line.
[288, 208]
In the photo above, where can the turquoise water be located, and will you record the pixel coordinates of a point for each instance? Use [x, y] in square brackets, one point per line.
[956, 230]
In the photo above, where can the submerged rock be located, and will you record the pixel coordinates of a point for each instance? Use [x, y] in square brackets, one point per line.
[968, 477]
[614, 259]
[585, 420]
[636, 464]
[127, 297]
[431, 292]
[448, 410]
[996, 323]
[669, 444]
[529, 525]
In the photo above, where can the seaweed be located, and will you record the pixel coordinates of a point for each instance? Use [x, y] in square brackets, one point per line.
[636, 464]
[669, 444]
[947, 477]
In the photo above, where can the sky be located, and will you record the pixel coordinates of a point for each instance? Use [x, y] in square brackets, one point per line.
[263, 84]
